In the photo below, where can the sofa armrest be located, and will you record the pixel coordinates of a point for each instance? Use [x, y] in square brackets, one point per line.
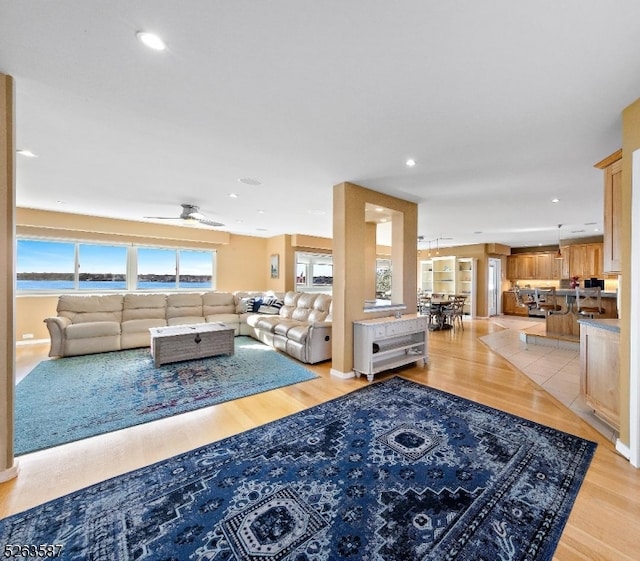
[319, 342]
[56, 327]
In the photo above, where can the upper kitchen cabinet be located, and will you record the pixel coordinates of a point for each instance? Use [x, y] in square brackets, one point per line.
[524, 266]
[585, 260]
[612, 167]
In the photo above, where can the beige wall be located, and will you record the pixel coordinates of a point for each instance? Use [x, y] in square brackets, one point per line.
[630, 143]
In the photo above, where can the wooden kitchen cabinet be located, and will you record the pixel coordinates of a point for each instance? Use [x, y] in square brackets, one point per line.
[585, 260]
[525, 266]
[612, 167]
[510, 305]
[600, 368]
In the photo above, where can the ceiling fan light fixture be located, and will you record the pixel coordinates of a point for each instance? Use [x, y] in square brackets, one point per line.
[151, 40]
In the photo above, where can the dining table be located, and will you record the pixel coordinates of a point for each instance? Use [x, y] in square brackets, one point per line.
[439, 318]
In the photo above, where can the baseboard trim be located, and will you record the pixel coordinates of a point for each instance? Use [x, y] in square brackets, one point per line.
[27, 342]
[10, 473]
[342, 375]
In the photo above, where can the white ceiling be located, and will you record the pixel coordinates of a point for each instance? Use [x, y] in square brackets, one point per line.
[504, 105]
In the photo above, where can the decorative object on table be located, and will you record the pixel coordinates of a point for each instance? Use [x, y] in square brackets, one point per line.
[395, 470]
[574, 281]
[82, 396]
[274, 264]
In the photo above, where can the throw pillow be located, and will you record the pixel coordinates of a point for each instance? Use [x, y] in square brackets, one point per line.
[271, 306]
[245, 305]
[257, 302]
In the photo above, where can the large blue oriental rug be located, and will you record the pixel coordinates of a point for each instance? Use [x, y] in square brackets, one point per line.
[394, 471]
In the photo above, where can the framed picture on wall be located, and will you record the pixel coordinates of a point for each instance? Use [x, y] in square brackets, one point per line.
[275, 266]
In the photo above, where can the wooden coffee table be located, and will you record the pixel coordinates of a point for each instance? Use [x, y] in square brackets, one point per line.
[188, 342]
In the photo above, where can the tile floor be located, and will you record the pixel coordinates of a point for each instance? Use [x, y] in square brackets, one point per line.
[555, 369]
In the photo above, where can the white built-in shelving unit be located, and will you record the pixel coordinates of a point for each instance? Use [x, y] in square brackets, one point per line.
[449, 276]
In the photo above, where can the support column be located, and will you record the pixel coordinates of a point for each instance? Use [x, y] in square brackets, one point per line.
[350, 263]
[8, 467]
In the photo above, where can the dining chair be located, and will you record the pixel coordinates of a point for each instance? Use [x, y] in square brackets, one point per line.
[454, 311]
[589, 302]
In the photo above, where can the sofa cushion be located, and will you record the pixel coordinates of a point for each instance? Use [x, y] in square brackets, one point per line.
[284, 325]
[265, 323]
[185, 320]
[91, 308]
[321, 307]
[230, 319]
[142, 325]
[298, 333]
[188, 305]
[290, 300]
[87, 330]
[218, 303]
[144, 306]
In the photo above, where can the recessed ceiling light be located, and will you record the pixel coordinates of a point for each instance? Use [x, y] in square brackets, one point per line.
[261, 229]
[27, 153]
[151, 40]
[260, 211]
[233, 195]
[596, 229]
[556, 200]
[383, 220]
[411, 162]
[250, 181]
[379, 209]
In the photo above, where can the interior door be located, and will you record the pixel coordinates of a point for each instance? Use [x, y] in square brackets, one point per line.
[493, 287]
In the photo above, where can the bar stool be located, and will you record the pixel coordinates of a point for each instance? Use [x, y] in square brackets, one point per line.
[589, 302]
[545, 297]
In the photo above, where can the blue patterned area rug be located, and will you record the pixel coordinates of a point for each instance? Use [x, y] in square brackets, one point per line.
[68, 399]
[394, 471]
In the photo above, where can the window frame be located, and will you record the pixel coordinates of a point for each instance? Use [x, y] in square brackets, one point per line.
[131, 274]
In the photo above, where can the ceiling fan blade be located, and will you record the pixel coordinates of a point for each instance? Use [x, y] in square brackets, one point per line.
[163, 217]
[211, 223]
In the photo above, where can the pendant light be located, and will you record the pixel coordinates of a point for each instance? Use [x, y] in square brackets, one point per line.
[559, 253]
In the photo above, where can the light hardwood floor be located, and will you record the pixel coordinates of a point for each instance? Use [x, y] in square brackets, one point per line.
[604, 522]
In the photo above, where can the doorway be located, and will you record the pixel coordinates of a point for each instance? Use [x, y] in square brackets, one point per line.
[493, 286]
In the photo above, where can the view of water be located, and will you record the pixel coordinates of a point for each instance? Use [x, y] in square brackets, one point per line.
[49, 285]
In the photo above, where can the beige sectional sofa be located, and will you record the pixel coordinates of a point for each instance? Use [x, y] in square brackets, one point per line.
[298, 324]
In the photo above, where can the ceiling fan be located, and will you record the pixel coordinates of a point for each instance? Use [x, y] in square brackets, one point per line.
[191, 213]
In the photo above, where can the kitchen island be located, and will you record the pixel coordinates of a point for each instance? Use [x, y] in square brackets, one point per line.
[564, 323]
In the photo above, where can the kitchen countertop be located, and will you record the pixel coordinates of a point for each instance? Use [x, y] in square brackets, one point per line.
[567, 292]
[606, 324]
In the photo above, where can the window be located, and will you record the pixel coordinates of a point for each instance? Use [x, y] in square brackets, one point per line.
[157, 269]
[102, 267]
[195, 268]
[55, 266]
[314, 272]
[383, 279]
[45, 265]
